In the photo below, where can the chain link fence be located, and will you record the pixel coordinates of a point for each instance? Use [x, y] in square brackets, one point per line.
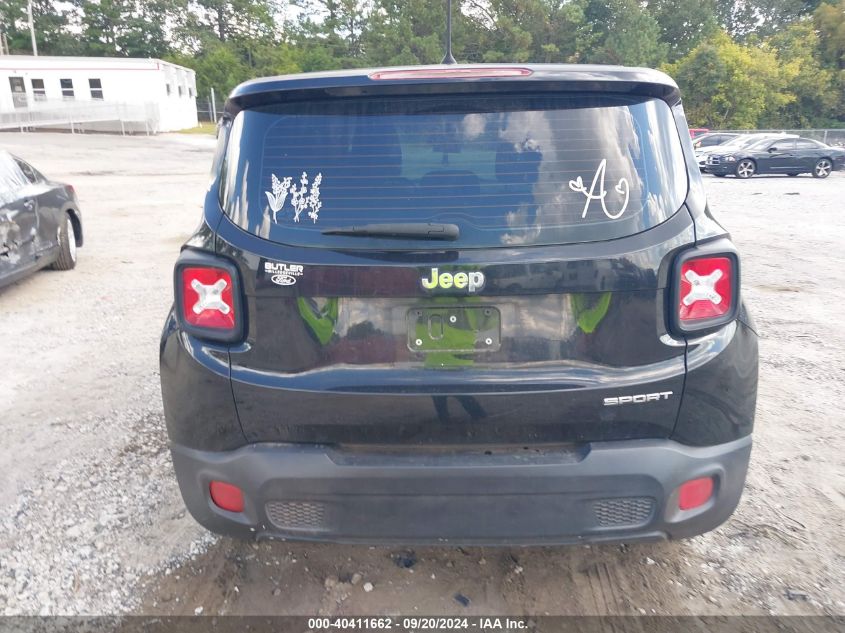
[209, 108]
[205, 111]
[835, 137]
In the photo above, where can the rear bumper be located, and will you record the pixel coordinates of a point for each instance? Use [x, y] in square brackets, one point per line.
[610, 491]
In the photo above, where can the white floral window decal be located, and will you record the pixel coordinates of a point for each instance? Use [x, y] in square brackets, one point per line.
[301, 198]
[277, 197]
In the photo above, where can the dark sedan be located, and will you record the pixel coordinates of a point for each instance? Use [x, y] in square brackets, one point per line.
[40, 222]
[784, 155]
[711, 139]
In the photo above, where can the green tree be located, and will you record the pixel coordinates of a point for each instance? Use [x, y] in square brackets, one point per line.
[530, 30]
[625, 34]
[814, 87]
[741, 18]
[229, 41]
[52, 33]
[684, 23]
[242, 26]
[830, 22]
[411, 32]
[223, 65]
[125, 28]
[728, 85]
[339, 26]
[736, 17]
[217, 66]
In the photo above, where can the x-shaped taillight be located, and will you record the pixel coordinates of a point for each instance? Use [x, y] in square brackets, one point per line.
[210, 296]
[706, 289]
[702, 287]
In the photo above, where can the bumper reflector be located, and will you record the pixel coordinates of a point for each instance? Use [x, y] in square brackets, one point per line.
[227, 496]
[695, 493]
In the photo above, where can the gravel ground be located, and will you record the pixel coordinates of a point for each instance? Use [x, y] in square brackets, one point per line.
[94, 524]
[94, 506]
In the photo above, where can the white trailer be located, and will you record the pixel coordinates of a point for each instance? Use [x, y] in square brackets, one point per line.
[96, 93]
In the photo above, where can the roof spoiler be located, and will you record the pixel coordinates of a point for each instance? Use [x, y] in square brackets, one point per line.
[454, 79]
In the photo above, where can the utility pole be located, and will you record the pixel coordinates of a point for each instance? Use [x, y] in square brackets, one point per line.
[31, 27]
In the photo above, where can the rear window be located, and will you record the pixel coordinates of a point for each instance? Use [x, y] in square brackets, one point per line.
[508, 170]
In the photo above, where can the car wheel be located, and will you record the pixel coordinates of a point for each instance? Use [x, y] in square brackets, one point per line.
[745, 168]
[67, 246]
[823, 168]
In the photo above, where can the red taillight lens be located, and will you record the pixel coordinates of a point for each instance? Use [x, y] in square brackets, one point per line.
[207, 298]
[483, 72]
[227, 496]
[706, 288]
[695, 493]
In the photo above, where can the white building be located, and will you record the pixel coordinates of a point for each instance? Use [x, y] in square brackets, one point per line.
[96, 93]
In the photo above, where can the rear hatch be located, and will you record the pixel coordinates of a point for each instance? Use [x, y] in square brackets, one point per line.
[455, 269]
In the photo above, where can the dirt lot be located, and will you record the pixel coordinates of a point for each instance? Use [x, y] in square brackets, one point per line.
[92, 519]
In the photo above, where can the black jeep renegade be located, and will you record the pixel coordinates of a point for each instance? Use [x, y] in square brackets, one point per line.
[459, 304]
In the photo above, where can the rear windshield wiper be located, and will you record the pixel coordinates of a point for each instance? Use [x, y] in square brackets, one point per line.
[414, 231]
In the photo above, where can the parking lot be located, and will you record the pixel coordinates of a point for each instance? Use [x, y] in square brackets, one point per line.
[92, 521]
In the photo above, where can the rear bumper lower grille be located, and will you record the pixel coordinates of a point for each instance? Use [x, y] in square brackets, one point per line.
[305, 515]
[630, 511]
[296, 515]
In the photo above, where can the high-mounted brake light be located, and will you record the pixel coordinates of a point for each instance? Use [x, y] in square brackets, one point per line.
[706, 288]
[488, 72]
[207, 298]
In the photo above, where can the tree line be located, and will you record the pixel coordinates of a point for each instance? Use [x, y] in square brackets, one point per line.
[740, 63]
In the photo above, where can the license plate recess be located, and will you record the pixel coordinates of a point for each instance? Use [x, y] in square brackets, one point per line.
[457, 329]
